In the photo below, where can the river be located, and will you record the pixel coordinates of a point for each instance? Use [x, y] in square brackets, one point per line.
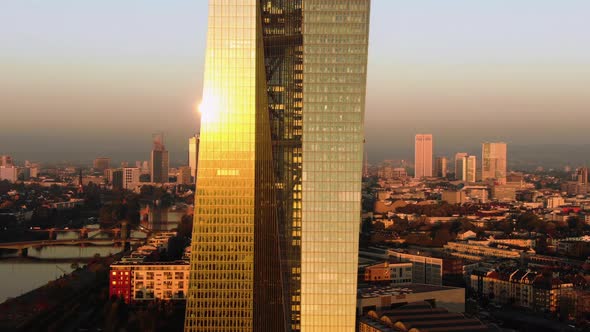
[21, 275]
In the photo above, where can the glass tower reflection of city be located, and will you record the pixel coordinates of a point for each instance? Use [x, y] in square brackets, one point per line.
[277, 206]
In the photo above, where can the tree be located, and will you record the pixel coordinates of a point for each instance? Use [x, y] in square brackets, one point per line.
[529, 221]
[185, 227]
[575, 224]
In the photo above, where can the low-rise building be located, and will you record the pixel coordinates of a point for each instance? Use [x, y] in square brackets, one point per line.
[515, 241]
[522, 288]
[397, 273]
[477, 250]
[144, 281]
[373, 297]
[425, 269]
[574, 248]
[418, 317]
[454, 197]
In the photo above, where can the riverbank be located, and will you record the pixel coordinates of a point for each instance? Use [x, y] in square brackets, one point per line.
[46, 307]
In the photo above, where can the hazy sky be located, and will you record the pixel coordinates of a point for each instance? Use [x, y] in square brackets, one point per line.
[85, 78]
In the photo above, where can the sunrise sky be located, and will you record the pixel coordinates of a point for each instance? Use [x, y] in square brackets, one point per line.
[80, 79]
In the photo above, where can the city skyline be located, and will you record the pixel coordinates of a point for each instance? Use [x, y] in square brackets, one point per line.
[292, 182]
[484, 86]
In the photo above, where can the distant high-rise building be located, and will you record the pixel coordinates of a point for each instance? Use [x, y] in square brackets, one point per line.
[8, 173]
[493, 162]
[281, 131]
[125, 178]
[366, 165]
[145, 167]
[6, 161]
[459, 165]
[100, 164]
[160, 160]
[423, 156]
[469, 172]
[193, 155]
[117, 178]
[440, 167]
[108, 175]
[582, 175]
[184, 175]
[130, 177]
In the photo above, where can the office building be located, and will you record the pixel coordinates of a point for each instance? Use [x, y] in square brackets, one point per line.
[193, 155]
[440, 167]
[8, 173]
[459, 165]
[159, 161]
[145, 167]
[469, 172]
[465, 167]
[555, 201]
[423, 156]
[454, 196]
[6, 161]
[399, 273]
[184, 175]
[308, 66]
[493, 162]
[100, 164]
[108, 175]
[235, 282]
[130, 177]
[116, 178]
[582, 175]
[125, 178]
[425, 269]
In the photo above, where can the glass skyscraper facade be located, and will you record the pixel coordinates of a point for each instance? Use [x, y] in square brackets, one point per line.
[335, 39]
[235, 280]
[277, 207]
[493, 162]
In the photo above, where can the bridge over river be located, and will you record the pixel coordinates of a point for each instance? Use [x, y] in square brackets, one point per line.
[21, 246]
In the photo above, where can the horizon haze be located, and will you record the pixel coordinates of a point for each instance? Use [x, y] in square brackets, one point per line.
[81, 80]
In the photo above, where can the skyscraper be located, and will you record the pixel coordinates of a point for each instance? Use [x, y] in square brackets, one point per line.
[459, 165]
[440, 167]
[335, 48]
[6, 161]
[423, 156]
[469, 169]
[493, 162]
[582, 175]
[160, 161]
[284, 90]
[184, 175]
[125, 178]
[193, 155]
[465, 167]
[235, 281]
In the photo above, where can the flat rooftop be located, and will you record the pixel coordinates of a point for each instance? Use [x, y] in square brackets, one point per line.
[368, 291]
